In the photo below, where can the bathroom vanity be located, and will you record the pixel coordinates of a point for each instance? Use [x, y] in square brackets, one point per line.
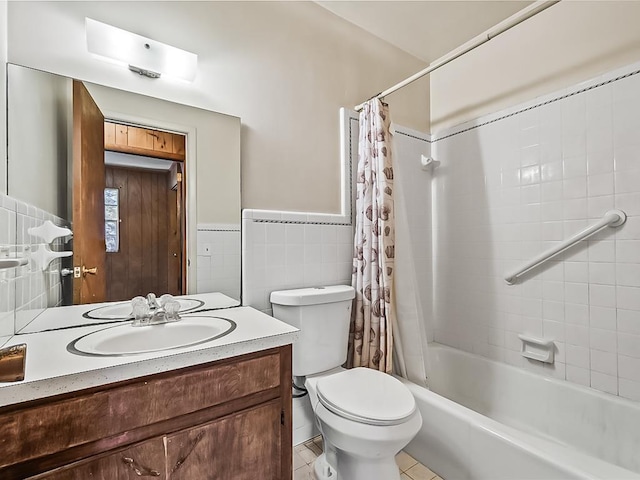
[219, 410]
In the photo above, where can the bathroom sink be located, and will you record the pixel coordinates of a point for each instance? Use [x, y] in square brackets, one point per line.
[122, 310]
[127, 340]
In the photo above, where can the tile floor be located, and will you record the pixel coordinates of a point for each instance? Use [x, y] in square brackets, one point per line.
[305, 454]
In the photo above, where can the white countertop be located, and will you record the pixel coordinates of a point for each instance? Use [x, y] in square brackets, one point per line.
[52, 370]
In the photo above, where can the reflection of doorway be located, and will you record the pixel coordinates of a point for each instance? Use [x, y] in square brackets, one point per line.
[153, 208]
[145, 166]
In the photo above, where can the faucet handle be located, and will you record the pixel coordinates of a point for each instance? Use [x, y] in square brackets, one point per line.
[171, 309]
[164, 299]
[140, 311]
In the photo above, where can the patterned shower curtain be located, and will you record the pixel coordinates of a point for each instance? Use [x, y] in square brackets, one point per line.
[370, 336]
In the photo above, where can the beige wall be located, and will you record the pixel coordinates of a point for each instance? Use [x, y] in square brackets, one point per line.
[285, 68]
[217, 146]
[566, 44]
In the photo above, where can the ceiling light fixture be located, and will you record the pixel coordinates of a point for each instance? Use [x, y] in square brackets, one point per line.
[142, 55]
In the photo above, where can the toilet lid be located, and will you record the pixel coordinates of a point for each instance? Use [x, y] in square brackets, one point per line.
[366, 396]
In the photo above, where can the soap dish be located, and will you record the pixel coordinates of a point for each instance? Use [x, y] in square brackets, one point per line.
[540, 349]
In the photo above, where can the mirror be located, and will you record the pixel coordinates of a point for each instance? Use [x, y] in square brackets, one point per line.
[150, 189]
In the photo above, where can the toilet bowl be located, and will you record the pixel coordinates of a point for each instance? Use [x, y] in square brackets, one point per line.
[365, 416]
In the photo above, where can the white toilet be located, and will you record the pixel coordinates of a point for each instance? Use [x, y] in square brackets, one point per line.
[365, 416]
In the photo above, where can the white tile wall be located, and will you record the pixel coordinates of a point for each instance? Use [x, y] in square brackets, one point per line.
[37, 289]
[219, 259]
[284, 250]
[511, 188]
[7, 277]
[26, 291]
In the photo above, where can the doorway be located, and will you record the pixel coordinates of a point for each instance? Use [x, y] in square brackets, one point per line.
[144, 211]
[153, 257]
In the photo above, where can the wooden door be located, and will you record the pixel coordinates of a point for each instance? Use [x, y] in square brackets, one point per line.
[175, 239]
[178, 241]
[242, 446]
[147, 259]
[145, 459]
[89, 255]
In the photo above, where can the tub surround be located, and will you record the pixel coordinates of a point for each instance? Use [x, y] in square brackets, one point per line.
[52, 370]
[516, 182]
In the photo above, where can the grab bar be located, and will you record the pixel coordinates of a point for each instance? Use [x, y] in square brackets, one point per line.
[613, 218]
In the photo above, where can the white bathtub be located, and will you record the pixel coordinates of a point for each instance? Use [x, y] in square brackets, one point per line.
[487, 420]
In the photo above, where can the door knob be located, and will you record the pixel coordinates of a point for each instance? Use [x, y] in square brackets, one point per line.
[86, 270]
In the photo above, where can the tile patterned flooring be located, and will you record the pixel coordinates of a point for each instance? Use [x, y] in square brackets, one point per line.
[306, 453]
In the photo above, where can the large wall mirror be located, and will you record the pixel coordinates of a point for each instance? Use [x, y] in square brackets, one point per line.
[149, 188]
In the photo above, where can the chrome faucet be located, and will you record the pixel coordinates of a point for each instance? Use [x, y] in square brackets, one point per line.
[152, 301]
[153, 311]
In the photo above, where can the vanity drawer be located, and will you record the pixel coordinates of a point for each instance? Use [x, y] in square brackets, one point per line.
[35, 431]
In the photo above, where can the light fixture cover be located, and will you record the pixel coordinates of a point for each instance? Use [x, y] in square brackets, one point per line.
[141, 53]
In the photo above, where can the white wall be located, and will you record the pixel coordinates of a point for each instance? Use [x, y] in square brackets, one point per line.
[39, 121]
[285, 68]
[566, 44]
[3, 98]
[513, 187]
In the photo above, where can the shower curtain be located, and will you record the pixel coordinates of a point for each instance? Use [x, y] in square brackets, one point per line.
[371, 332]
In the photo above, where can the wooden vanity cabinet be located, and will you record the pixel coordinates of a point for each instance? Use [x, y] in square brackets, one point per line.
[226, 420]
[142, 460]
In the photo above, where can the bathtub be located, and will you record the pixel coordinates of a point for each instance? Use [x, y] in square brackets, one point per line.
[487, 420]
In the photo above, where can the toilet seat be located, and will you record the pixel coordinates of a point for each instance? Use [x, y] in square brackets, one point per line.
[366, 396]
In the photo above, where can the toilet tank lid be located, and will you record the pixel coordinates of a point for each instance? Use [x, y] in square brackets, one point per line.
[313, 295]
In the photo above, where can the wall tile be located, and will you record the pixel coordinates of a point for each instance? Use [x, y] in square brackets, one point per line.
[628, 298]
[219, 257]
[563, 165]
[629, 368]
[291, 255]
[628, 345]
[629, 389]
[628, 321]
[26, 291]
[604, 382]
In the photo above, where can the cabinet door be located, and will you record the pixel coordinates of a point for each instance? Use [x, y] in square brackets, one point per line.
[144, 460]
[242, 446]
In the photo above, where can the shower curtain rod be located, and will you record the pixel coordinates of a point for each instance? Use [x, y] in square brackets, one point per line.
[501, 27]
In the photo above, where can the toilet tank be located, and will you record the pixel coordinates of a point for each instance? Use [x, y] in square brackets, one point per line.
[323, 315]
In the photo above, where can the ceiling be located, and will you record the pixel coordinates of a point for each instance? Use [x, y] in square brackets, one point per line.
[425, 29]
